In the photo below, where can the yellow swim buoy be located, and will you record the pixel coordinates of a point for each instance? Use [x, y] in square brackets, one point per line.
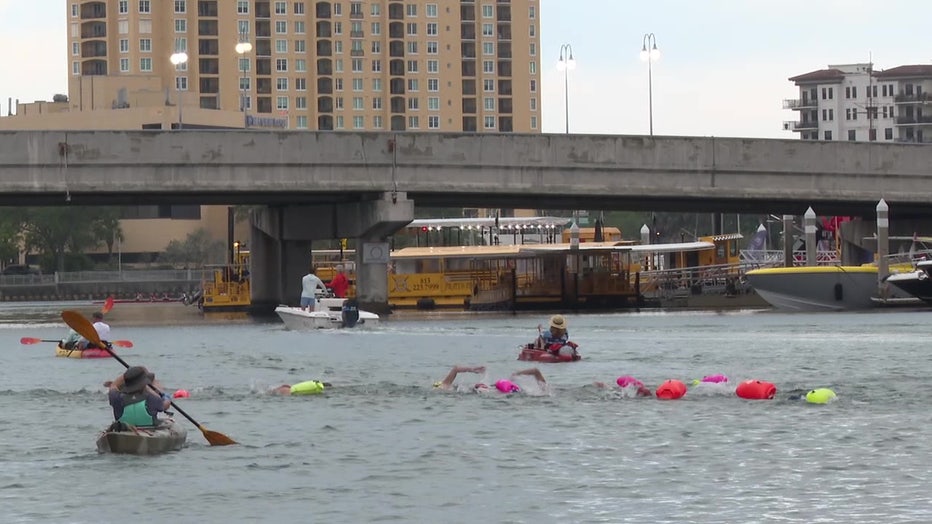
[820, 396]
[310, 387]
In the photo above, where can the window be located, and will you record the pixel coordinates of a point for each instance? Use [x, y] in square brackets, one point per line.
[357, 103]
[300, 102]
[75, 48]
[359, 122]
[144, 6]
[488, 30]
[411, 10]
[356, 65]
[280, 8]
[412, 84]
[375, 10]
[533, 86]
[281, 27]
[281, 46]
[242, 27]
[533, 104]
[244, 65]
[433, 103]
[488, 48]
[181, 25]
[828, 135]
[299, 8]
[533, 49]
[75, 68]
[145, 64]
[433, 66]
[245, 84]
[430, 10]
[412, 66]
[337, 9]
[433, 85]
[376, 102]
[488, 66]
[486, 11]
[299, 27]
[281, 84]
[281, 103]
[338, 102]
[431, 29]
[145, 45]
[488, 85]
[414, 122]
[432, 48]
[300, 65]
[124, 48]
[532, 68]
[377, 122]
[488, 103]
[180, 6]
[338, 65]
[413, 104]
[412, 48]
[124, 65]
[533, 122]
[122, 27]
[433, 122]
[281, 65]
[181, 44]
[74, 10]
[337, 27]
[357, 84]
[300, 46]
[531, 31]
[888, 133]
[301, 122]
[338, 122]
[489, 122]
[123, 7]
[411, 29]
[355, 9]
[376, 66]
[852, 135]
[377, 85]
[145, 27]
[242, 7]
[181, 83]
[376, 28]
[300, 84]
[532, 12]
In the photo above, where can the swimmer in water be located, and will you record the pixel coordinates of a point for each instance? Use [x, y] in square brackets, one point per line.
[625, 382]
[503, 385]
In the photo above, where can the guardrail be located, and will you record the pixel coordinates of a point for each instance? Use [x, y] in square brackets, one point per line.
[105, 277]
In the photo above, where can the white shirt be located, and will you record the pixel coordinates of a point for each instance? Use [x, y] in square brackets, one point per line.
[309, 283]
[103, 330]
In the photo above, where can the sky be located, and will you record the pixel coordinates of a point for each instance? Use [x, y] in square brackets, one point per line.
[723, 67]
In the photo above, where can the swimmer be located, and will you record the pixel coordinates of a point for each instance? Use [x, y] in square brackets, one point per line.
[627, 381]
[308, 387]
[447, 382]
[503, 385]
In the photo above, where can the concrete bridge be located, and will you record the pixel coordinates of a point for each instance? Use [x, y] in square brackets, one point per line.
[363, 185]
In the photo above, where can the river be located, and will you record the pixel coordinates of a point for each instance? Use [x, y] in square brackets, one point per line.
[383, 446]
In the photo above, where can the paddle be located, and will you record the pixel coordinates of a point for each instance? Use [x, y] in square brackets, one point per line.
[118, 343]
[108, 305]
[86, 329]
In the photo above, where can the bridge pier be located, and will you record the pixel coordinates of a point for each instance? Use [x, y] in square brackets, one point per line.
[281, 239]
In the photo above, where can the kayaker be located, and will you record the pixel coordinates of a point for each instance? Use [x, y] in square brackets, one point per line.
[339, 284]
[72, 340]
[133, 401]
[310, 283]
[102, 329]
[556, 338]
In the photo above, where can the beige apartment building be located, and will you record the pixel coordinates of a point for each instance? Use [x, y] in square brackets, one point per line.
[442, 65]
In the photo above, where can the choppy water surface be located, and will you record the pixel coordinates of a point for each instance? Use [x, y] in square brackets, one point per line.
[383, 446]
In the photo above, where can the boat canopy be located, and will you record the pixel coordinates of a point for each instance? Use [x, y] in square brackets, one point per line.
[503, 251]
[671, 248]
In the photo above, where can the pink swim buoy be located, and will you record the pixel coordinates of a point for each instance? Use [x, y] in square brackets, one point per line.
[715, 379]
[671, 390]
[181, 393]
[756, 390]
[507, 386]
[627, 380]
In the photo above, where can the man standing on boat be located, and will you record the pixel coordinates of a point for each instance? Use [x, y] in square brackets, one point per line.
[310, 283]
[339, 284]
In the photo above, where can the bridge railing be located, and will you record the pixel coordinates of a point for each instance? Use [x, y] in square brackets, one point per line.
[86, 277]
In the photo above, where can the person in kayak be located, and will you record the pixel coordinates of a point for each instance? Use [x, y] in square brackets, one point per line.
[556, 339]
[503, 385]
[134, 403]
[102, 329]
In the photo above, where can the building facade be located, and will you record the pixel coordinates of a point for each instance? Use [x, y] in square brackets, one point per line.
[856, 102]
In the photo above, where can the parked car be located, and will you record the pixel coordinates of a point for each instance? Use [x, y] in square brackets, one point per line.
[20, 269]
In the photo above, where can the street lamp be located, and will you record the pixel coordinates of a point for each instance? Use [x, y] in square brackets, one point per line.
[650, 54]
[243, 47]
[566, 64]
[177, 59]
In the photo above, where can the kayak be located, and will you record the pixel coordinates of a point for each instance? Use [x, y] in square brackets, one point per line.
[167, 436]
[532, 354]
[81, 353]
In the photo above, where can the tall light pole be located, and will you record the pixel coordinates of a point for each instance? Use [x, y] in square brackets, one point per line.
[242, 48]
[177, 59]
[566, 64]
[650, 54]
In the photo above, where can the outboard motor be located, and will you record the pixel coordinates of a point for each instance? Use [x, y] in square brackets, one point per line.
[350, 313]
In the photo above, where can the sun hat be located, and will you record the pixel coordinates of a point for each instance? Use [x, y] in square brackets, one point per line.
[135, 379]
[558, 322]
[339, 267]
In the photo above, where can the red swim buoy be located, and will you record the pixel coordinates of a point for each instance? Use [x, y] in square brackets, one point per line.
[756, 390]
[671, 390]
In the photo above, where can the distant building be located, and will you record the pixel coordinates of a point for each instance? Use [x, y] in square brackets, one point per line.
[854, 102]
[303, 65]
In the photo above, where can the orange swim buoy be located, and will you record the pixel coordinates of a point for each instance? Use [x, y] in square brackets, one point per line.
[671, 390]
[756, 390]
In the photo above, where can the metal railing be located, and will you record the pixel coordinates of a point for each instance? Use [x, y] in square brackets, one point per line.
[84, 277]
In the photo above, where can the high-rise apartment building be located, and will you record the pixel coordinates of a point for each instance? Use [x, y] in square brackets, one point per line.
[468, 65]
[856, 102]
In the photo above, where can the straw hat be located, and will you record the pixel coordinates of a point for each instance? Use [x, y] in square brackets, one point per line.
[558, 322]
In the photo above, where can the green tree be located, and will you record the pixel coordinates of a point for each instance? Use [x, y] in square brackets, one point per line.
[197, 249]
[10, 234]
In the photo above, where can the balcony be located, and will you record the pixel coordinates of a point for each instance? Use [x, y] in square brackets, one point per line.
[917, 98]
[913, 120]
[93, 10]
[797, 104]
[792, 125]
[357, 52]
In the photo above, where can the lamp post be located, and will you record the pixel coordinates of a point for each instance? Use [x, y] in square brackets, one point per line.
[177, 59]
[650, 54]
[566, 64]
[243, 47]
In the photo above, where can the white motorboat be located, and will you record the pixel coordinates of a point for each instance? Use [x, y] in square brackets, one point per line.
[329, 313]
[917, 283]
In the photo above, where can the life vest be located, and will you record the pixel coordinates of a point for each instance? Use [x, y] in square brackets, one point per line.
[135, 412]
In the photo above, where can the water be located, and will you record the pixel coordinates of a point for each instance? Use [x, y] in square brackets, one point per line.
[381, 445]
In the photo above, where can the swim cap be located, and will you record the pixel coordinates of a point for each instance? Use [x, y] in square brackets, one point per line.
[715, 379]
[438, 384]
[181, 393]
[627, 380]
[507, 386]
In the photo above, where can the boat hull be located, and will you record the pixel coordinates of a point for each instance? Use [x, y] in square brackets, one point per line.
[915, 283]
[531, 354]
[328, 315]
[144, 441]
[81, 353]
[816, 288]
